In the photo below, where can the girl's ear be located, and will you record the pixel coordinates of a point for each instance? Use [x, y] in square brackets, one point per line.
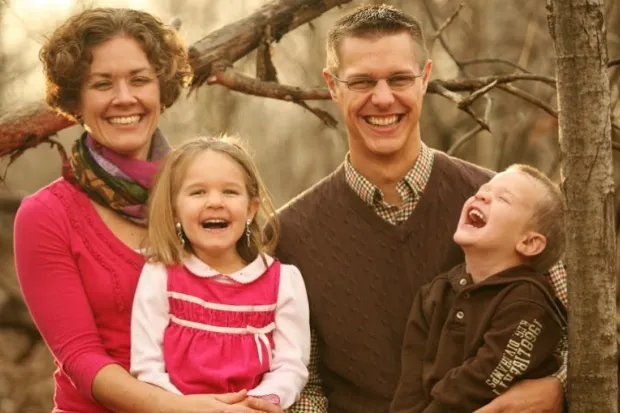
[253, 208]
[532, 244]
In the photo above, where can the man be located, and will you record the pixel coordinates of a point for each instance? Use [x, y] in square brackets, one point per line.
[370, 234]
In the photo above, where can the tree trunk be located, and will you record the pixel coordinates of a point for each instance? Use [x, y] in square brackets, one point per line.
[578, 30]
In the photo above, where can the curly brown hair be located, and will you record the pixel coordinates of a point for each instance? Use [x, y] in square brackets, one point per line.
[66, 55]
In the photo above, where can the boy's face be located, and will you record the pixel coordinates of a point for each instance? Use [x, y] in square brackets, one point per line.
[498, 217]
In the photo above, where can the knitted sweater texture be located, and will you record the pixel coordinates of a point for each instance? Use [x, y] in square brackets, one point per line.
[361, 274]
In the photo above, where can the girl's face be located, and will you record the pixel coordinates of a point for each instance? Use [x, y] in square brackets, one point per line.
[213, 206]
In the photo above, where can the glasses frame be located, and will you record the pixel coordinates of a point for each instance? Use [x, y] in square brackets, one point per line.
[375, 81]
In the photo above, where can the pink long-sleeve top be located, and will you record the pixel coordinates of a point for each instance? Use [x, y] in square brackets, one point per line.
[78, 281]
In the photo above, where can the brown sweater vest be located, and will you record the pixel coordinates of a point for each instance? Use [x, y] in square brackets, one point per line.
[361, 274]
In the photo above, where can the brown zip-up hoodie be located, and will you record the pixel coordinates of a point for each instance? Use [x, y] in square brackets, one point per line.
[467, 343]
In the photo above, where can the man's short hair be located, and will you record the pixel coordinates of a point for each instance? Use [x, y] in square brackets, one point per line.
[373, 21]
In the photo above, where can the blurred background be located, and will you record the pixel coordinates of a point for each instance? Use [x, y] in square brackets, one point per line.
[292, 147]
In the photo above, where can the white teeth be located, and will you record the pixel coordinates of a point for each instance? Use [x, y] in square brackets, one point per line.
[216, 221]
[477, 214]
[382, 121]
[125, 120]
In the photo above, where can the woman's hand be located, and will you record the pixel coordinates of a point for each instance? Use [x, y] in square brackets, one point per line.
[221, 403]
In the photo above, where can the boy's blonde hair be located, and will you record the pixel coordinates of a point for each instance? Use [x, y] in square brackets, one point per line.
[164, 245]
[547, 218]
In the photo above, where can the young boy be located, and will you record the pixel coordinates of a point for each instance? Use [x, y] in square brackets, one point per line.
[475, 330]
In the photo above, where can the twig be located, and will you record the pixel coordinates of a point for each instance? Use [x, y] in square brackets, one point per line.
[446, 23]
[465, 63]
[476, 94]
[613, 62]
[320, 113]
[529, 98]
[544, 106]
[471, 84]
[249, 86]
[473, 132]
[464, 104]
[435, 26]
[461, 141]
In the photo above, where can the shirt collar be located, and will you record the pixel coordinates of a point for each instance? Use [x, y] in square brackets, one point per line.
[246, 275]
[415, 179]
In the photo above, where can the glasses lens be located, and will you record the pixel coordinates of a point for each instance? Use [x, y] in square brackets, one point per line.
[361, 84]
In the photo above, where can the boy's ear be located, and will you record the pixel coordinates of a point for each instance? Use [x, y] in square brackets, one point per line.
[532, 244]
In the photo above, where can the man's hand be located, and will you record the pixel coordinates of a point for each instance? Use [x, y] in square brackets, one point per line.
[544, 395]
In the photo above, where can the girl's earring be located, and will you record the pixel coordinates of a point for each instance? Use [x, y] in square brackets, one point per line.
[248, 232]
[180, 234]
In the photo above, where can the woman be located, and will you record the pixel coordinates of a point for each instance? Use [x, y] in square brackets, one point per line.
[78, 240]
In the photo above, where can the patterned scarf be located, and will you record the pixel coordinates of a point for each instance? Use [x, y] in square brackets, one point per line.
[112, 180]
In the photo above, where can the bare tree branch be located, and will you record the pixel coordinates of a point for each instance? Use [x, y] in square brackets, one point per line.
[471, 84]
[529, 98]
[221, 48]
[213, 56]
[613, 62]
[29, 127]
[465, 63]
[446, 23]
[463, 103]
[547, 108]
[476, 94]
[473, 132]
[431, 18]
[250, 86]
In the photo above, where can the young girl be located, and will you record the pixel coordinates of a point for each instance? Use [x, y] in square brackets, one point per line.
[213, 312]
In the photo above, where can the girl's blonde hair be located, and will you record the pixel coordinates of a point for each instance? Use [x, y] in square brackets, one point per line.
[164, 244]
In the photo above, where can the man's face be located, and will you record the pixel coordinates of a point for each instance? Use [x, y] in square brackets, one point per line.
[381, 122]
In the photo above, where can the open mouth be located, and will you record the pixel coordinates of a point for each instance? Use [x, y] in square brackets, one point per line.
[215, 224]
[475, 218]
[125, 120]
[383, 121]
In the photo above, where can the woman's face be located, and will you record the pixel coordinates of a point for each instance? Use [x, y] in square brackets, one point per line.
[119, 99]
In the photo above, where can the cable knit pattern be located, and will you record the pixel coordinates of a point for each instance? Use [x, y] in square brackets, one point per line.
[78, 281]
[360, 349]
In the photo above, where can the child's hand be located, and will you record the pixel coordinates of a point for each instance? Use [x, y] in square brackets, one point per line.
[243, 402]
[263, 405]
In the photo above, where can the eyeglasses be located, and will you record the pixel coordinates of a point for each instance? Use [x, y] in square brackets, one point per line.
[365, 84]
